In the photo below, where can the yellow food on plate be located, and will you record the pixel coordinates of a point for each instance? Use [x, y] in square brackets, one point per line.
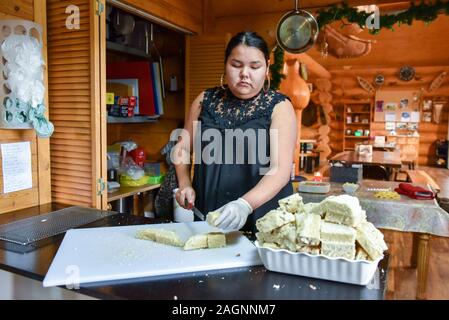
[387, 195]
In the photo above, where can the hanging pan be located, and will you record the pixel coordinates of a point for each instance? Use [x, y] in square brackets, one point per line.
[297, 31]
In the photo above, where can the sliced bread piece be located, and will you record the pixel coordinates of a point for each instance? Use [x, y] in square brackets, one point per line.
[337, 232]
[211, 217]
[315, 250]
[292, 204]
[286, 236]
[161, 236]
[371, 241]
[369, 227]
[314, 208]
[271, 245]
[343, 209]
[361, 254]
[216, 240]
[338, 249]
[197, 241]
[273, 220]
[263, 237]
[308, 229]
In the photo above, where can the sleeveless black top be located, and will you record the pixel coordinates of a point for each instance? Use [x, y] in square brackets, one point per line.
[220, 180]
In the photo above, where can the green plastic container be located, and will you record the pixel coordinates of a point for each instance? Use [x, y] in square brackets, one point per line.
[156, 179]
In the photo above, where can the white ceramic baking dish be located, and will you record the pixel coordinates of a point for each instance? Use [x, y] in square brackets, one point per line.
[358, 272]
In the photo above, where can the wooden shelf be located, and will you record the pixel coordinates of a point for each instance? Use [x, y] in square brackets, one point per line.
[135, 119]
[355, 137]
[361, 112]
[126, 49]
[357, 123]
[124, 192]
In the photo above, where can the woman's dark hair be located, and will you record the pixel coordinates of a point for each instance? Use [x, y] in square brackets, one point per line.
[250, 39]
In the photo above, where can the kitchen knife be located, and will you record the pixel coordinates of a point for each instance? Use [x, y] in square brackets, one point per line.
[198, 213]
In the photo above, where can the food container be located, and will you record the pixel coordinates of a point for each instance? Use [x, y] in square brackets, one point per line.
[314, 187]
[350, 188]
[359, 272]
[152, 169]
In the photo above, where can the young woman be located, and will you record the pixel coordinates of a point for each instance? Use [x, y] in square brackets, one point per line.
[246, 133]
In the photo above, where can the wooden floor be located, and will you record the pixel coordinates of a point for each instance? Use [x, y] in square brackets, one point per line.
[402, 285]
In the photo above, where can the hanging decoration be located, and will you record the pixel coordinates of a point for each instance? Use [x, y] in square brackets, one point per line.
[437, 82]
[297, 30]
[406, 73]
[421, 12]
[366, 85]
[379, 80]
[341, 46]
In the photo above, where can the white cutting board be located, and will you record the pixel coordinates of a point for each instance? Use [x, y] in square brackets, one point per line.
[113, 253]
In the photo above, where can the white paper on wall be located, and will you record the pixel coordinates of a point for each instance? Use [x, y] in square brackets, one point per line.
[390, 116]
[16, 166]
[415, 116]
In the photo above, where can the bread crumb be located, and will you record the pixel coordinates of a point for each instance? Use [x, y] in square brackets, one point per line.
[276, 286]
[175, 297]
[312, 287]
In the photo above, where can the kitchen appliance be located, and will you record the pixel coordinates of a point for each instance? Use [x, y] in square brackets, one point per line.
[113, 253]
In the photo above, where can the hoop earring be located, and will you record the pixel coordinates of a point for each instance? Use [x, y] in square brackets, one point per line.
[221, 82]
[269, 85]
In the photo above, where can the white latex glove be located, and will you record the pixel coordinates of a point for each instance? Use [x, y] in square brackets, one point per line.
[233, 215]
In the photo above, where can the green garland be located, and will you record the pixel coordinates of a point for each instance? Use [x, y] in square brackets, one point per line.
[276, 68]
[421, 12]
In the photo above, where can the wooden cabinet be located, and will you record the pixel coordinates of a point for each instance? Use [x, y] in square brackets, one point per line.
[357, 121]
[77, 86]
[76, 93]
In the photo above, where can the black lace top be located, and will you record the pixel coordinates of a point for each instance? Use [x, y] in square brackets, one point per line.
[229, 112]
[220, 182]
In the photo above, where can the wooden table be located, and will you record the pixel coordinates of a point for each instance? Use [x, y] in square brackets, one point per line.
[380, 212]
[135, 192]
[390, 160]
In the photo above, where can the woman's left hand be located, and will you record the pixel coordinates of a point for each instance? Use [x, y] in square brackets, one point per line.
[234, 214]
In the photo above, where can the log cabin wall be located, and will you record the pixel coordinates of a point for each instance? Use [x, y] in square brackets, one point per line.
[346, 88]
[33, 10]
[423, 47]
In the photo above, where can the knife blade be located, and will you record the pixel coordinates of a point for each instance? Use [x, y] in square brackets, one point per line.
[198, 213]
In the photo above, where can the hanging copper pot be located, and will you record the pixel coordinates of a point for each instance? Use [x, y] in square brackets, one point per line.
[297, 31]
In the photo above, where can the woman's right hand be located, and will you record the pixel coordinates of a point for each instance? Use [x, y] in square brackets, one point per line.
[186, 197]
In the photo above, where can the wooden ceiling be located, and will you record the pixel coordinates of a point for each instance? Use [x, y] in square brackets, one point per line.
[228, 8]
[416, 45]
